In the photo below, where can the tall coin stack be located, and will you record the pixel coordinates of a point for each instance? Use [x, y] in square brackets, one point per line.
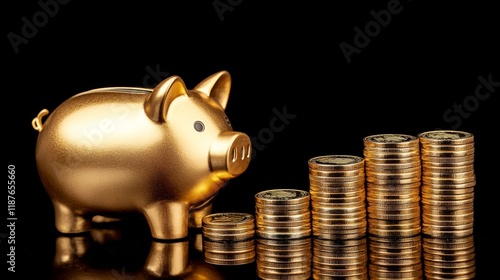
[448, 182]
[393, 181]
[283, 230]
[228, 238]
[337, 188]
[393, 173]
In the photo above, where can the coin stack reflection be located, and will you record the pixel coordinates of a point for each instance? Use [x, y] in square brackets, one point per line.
[283, 230]
[448, 182]
[393, 174]
[395, 257]
[449, 258]
[337, 188]
[340, 259]
[284, 258]
[228, 238]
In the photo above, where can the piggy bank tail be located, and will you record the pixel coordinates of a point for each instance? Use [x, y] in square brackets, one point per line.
[37, 121]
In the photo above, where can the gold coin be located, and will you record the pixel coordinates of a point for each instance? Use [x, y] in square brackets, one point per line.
[228, 245]
[449, 164]
[360, 191]
[336, 201]
[227, 231]
[283, 275]
[398, 155]
[448, 181]
[383, 150]
[395, 181]
[373, 162]
[332, 187]
[283, 252]
[454, 153]
[390, 140]
[240, 261]
[448, 186]
[445, 137]
[339, 236]
[431, 190]
[441, 197]
[343, 173]
[425, 159]
[230, 255]
[282, 196]
[394, 187]
[393, 176]
[284, 235]
[228, 220]
[336, 180]
[434, 169]
[380, 259]
[286, 243]
[455, 258]
[451, 147]
[336, 162]
[229, 237]
[370, 166]
[452, 175]
[370, 171]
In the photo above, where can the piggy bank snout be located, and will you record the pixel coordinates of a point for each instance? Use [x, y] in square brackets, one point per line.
[230, 154]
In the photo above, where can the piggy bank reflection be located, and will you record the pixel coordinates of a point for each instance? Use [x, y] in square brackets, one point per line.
[109, 254]
[164, 153]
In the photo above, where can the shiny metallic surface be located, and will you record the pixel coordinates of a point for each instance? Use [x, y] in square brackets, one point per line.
[163, 152]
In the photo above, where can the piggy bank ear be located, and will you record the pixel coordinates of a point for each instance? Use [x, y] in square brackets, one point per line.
[216, 86]
[159, 100]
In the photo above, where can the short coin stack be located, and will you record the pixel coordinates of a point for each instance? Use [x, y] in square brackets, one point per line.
[283, 230]
[393, 174]
[228, 238]
[448, 182]
[340, 259]
[337, 188]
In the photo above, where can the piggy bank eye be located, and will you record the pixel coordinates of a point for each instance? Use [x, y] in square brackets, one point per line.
[227, 120]
[199, 126]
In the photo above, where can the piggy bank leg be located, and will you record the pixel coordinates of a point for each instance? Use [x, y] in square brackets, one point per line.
[196, 215]
[67, 221]
[167, 219]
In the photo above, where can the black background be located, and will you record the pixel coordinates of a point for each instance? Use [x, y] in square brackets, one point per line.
[281, 56]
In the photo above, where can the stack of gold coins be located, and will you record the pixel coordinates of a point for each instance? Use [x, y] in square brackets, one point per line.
[340, 259]
[448, 182]
[228, 238]
[283, 230]
[337, 189]
[279, 259]
[393, 174]
[283, 214]
[449, 258]
[395, 257]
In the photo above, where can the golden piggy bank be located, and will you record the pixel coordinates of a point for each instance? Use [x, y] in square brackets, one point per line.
[162, 152]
